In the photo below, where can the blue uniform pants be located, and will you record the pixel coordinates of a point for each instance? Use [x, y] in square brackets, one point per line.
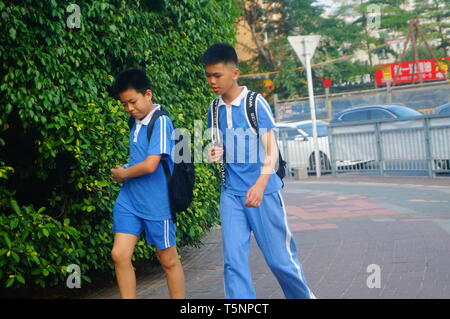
[270, 228]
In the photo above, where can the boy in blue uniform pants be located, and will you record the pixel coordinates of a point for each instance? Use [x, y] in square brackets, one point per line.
[143, 201]
[251, 198]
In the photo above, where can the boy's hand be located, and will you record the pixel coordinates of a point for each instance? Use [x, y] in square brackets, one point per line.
[118, 174]
[215, 153]
[255, 195]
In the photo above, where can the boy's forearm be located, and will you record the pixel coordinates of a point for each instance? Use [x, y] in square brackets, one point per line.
[263, 179]
[270, 160]
[143, 168]
[267, 170]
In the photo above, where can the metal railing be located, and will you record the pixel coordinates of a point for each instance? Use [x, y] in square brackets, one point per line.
[418, 146]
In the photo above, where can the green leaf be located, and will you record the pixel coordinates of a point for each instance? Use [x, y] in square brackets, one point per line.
[36, 272]
[15, 256]
[7, 240]
[45, 232]
[12, 33]
[15, 207]
[20, 279]
[14, 223]
[10, 282]
[86, 278]
[36, 260]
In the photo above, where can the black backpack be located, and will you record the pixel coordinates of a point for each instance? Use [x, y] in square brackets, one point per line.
[250, 112]
[181, 181]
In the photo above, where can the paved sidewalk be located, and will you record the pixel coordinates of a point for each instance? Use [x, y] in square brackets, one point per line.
[341, 226]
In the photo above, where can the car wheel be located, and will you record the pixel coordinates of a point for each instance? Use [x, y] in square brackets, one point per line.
[325, 163]
[442, 164]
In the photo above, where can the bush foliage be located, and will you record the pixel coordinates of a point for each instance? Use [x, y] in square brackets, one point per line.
[61, 133]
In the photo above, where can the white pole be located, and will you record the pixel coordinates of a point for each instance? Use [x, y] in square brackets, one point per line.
[313, 111]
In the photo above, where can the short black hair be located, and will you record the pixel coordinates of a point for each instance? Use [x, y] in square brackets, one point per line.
[131, 79]
[220, 52]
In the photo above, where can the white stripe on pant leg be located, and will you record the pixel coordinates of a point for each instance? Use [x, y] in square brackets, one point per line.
[168, 232]
[288, 246]
[165, 233]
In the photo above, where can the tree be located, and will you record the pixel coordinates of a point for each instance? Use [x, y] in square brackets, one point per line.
[61, 133]
[396, 15]
[300, 17]
[434, 16]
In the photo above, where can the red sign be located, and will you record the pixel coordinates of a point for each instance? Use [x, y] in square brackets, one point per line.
[406, 72]
[325, 81]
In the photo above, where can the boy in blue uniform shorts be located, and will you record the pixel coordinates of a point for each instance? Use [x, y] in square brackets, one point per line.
[251, 198]
[143, 201]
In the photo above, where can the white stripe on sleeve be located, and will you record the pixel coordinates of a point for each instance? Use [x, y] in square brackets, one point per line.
[160, 135]
[165, 135]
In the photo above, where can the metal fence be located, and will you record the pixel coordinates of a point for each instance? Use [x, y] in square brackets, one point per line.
[411, 146]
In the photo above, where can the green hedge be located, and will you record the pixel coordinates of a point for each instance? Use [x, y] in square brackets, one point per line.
[61, 133]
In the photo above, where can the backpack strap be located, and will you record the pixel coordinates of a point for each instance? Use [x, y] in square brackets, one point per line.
[150, 126]
[215, 134]
[251, 112]
[155, 116]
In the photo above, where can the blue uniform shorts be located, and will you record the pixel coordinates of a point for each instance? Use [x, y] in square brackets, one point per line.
[161, 234]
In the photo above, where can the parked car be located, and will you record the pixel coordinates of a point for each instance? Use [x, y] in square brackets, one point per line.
[374, 112]
[306, 126]
[290, 132]
[297, 147]
[443, 109]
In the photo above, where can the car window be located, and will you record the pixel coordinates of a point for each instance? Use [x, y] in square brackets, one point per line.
[445, 109]
[362, 115]
[380, 115]
[404, 111]
[288, 132]
[322, 129]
